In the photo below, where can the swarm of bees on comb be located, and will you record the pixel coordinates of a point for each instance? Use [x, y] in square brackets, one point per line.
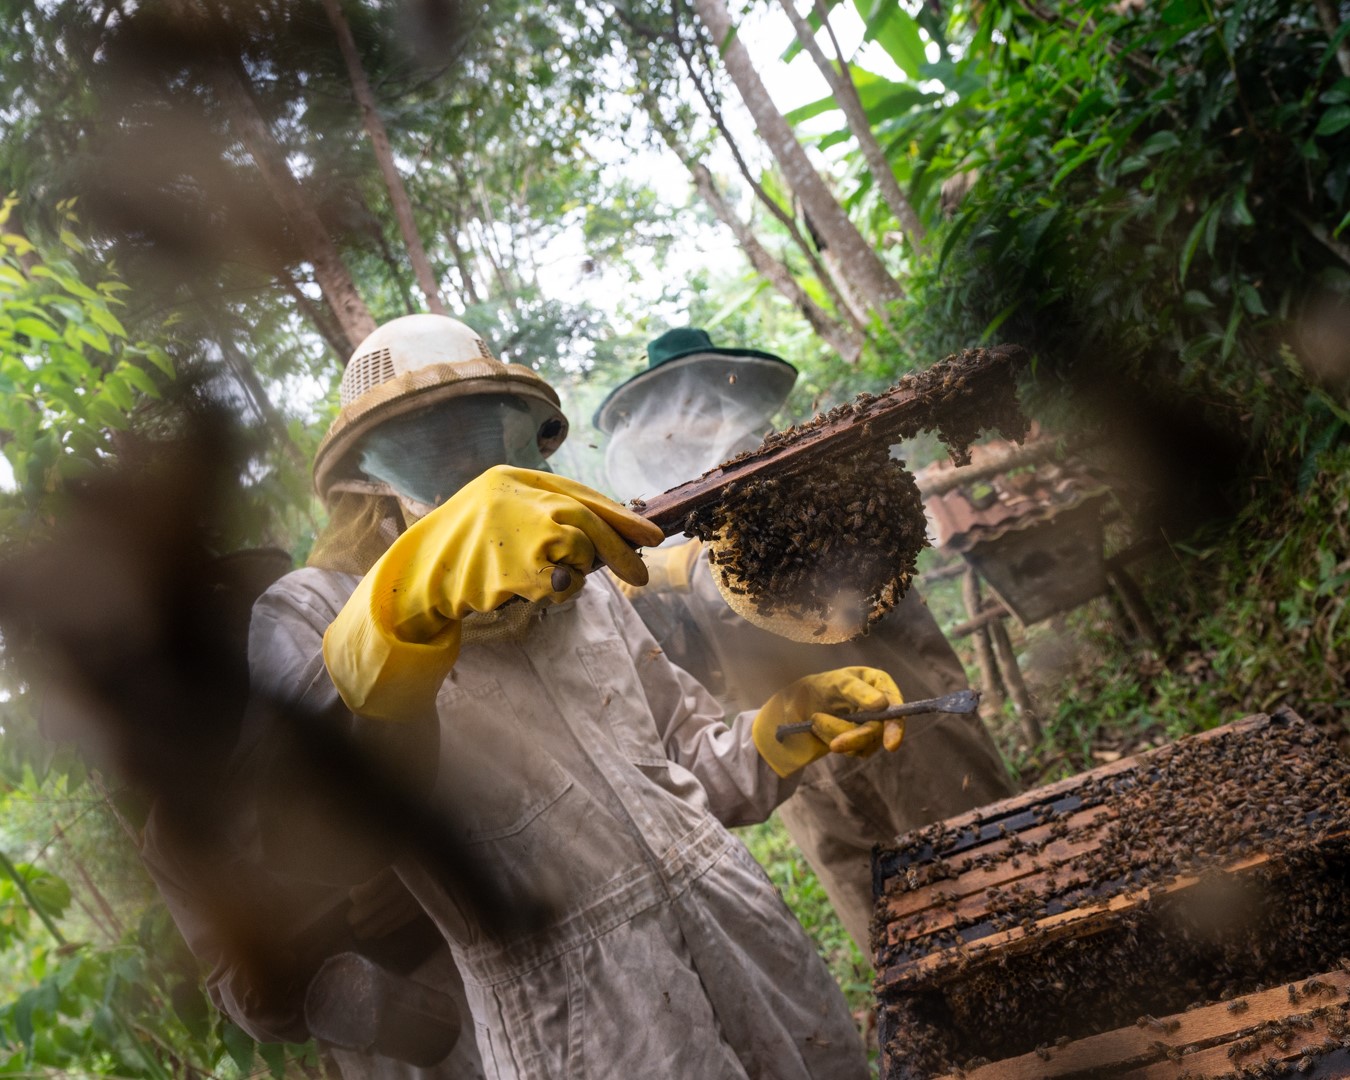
[823, 550]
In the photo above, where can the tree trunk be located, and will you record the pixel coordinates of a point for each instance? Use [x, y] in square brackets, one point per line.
[846, 94]
[841, 338]
[379, 139]
[319, 316]
[829, 281]
[865, 269]
[247, 122]
[836, 274]
[990, 681]
[844, 339]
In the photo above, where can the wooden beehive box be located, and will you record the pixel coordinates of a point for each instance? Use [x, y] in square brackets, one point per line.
[1053, 565]
[1103, 926]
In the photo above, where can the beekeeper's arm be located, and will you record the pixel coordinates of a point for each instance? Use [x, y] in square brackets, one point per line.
[499, 537]
[744, 768]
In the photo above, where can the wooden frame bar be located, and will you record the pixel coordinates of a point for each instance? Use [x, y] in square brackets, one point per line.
[906, 407]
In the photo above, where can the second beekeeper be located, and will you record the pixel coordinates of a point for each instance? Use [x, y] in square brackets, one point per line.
[693, 407]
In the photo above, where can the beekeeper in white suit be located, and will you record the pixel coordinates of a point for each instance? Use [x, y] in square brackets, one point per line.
[588, 773]
[691, 408]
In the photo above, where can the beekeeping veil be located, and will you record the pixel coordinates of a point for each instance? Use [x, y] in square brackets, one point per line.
[425, 407]
[693, 407]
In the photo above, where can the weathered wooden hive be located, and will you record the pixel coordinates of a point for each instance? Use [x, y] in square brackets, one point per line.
[1181, 914]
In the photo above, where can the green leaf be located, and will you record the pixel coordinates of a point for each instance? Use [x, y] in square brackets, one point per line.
[106, 320]
[1251, 299]
[75, 286]
[191, 1007]
[1160, 141]
[238, 1044]
[50, 892]
[1339, 93]
[1091, 150]
[22, 1015]
[998, 320]
[894, 29]
[106, 413]
[1238, 208]
[1332, 45]
[1335, 119]
[814, 108]
[1197, 233]
[1230, 332]
[139, 379]
[160, 359]
[962, 223]
[71, 240]
[117, 391]
[274, 1055]
[104, 1025]
[20, 245]
[94, 338]
[36, 329]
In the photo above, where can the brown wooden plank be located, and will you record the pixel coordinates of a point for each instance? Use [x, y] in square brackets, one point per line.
[1082, 837]
[968, 889]
[1214, 1061]
[1220, 1023]
[992, 812]
[975, 907]
[1079, 921]
[874, 423]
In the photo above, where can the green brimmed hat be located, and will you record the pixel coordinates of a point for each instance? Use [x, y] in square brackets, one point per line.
[688, 345]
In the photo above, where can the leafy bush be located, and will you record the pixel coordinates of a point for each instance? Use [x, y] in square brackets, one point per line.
[1161, 198]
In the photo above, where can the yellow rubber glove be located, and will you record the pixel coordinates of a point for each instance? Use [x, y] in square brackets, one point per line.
[823, 699]
[500, 536]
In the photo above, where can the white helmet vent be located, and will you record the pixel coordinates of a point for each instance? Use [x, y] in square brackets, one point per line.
[364, 373]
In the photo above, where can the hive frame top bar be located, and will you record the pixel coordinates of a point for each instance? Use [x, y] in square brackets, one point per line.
[897, 413]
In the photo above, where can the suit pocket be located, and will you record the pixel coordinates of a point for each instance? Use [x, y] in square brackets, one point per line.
[494, 772]
[621, 703]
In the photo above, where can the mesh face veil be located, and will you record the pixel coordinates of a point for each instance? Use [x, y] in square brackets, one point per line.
[430, 454]
[695, 416]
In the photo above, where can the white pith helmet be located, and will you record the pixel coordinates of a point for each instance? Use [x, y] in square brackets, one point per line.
[416, 361]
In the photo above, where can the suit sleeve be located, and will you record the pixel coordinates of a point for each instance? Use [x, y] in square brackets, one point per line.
[717, 749]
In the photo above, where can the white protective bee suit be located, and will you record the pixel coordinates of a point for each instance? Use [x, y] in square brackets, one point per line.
[592, 777]
[610, 779]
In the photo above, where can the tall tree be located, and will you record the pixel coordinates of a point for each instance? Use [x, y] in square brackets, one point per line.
[865, 270]
[329, 269]
[846, 94]
[844, 339]
[384, 155]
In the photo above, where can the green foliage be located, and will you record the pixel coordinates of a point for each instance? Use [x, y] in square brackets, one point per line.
[70, 376]
[1155, 199]
[94, 978]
